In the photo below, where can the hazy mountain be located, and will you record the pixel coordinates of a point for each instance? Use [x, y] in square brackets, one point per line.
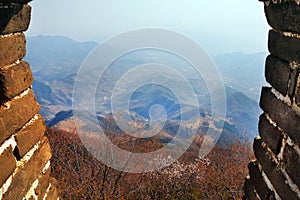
[55, 56]
[243, 72]
[243, 112]
[55, 60]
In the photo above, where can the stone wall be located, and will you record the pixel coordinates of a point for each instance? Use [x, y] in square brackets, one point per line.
[276, 172]
[24, 150]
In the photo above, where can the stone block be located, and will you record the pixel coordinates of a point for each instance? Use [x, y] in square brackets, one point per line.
[284, 16]
[12, 48]
[16, 113]
[29, 173]
[258, 181]
[44, 180]
[284, 47]
[53, 192]
[30, 134]
[14, 79]
[284, 115]
[278, 74]
[272, 171]
[263, 156]
[8, 164]
[291, 162]
[270, 134]
[249, 191]
[297, 94]
[14, 18]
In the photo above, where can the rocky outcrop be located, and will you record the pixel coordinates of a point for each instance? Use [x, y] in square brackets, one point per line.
[276, 172]
[24, 150]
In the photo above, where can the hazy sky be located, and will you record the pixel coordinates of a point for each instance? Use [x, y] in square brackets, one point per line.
[220, 26]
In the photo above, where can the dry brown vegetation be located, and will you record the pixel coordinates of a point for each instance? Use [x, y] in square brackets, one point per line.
[220, 175]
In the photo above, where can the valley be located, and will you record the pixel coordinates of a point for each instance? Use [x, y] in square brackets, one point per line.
[55, 72]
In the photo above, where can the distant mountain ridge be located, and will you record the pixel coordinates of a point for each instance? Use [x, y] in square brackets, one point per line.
[55, 56]
[56, 59]
[243, 72]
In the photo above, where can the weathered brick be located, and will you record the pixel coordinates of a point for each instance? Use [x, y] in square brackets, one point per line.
[263, 156]
[270, 134]
[258, 181]
[29, 173]
[285, 47]
[31, 198]
[293, 82]
[14, 79]
[271, 196]
[44, 180]
[14, 18]
[30, 134]
[12, 48]
[297, 94]
[53, 192]
[273, 173]
[16, 113]
[279, 74]
[291, 160]
[284, 16]
[249, 191]
[8, 164]
[280, 112]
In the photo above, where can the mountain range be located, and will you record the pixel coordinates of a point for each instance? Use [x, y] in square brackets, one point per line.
[56, 59]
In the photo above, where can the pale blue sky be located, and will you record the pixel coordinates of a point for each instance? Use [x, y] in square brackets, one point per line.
[220, 26]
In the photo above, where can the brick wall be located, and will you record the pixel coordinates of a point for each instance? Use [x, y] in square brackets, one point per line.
[276, 172]
[24, 150]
